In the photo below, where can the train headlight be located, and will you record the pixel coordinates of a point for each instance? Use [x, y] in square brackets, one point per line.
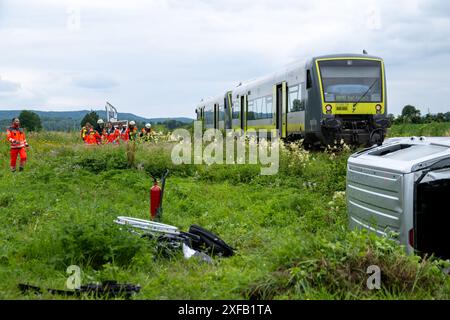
[378, 108]
[328, 108]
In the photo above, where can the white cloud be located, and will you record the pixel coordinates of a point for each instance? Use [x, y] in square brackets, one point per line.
[7, 86]
[159, 58]
[95, 82]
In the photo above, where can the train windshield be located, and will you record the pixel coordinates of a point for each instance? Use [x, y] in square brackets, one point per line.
[351, 80]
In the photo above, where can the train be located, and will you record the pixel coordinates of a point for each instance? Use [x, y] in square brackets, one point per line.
[323, 100]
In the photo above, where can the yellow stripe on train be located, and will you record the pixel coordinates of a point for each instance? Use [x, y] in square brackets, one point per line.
[351, 108]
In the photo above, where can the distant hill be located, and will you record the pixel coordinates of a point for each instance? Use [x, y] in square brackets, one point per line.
[70, 120]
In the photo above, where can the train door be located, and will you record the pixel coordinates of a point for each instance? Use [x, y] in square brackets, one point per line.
[216, 116]
[243, 113]
[202, 116]
[227, 113]
[280, 102]
[229, 106]
[296, 109]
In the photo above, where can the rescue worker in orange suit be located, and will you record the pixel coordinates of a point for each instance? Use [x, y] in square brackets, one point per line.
[16, 137]
[112, 134]
[132, 131]
[100, 131]
[123, 131]
[104, 136]
[92, 137]
[84, 130]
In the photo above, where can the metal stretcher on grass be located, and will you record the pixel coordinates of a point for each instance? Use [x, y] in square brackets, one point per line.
[146, 225]
[196, 239]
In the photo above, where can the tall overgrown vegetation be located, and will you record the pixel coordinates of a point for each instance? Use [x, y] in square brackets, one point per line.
[290, 229]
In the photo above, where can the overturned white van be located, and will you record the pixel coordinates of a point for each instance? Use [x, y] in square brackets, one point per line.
[401, 189]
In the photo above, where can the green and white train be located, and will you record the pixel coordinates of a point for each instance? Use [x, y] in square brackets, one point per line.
[323, 100]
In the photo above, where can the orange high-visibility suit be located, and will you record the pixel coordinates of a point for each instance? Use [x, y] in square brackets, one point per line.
[104, 136]
[92, 137]
[124, 134]
[112, 135]
[16, 137]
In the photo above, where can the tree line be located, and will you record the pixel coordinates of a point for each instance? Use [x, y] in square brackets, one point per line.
[29, 120]
[32, 122]
[411, 114]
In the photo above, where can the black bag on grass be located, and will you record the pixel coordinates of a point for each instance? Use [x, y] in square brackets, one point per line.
[210, 242]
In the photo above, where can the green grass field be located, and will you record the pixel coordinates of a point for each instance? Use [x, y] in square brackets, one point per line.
[290, 230]
[426, 129]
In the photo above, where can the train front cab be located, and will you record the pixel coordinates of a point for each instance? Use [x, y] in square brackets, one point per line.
[347, 94]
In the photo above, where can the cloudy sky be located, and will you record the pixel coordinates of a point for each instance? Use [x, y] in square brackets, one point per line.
[160, 57]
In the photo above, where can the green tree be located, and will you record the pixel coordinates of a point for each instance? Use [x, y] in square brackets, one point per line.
[411, 114]
[440, 117]
[173, 124]
[90, 117]
[429, 118]
[447, 116]
[409, 111]
[30, 120]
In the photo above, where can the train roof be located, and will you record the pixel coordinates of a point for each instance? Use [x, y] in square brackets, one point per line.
[294, 65]
[243, 86]
[346, 55]
[246, 85]
[211, 100]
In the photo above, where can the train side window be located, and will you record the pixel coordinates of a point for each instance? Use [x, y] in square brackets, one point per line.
[221, 113]
[292, 96]
[308, 79]
[295, 100]
[265, 114]
[269, 106]
[236, 108]
[251, 110]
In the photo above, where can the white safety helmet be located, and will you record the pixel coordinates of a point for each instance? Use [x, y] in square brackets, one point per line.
[100, 121]
[132, 123]
[148, 125]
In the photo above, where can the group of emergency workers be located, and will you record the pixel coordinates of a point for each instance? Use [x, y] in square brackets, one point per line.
[107, 135]
[111, 134]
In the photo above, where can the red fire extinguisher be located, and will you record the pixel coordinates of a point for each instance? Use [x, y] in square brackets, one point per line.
[156, 197]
